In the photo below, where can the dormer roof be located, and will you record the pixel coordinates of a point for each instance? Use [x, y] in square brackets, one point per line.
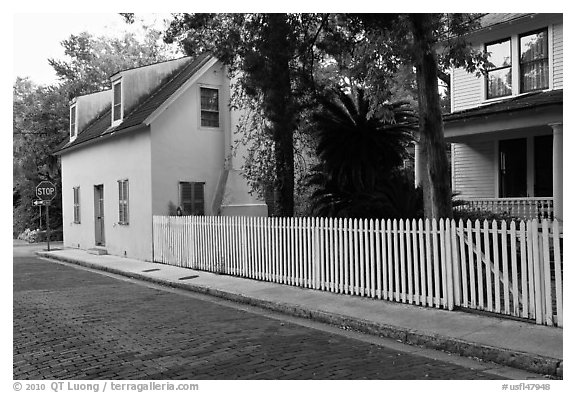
[100, 127]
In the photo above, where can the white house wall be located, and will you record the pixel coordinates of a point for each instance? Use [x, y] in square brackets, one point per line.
[473, 172]
[184, 151]
[122, 157]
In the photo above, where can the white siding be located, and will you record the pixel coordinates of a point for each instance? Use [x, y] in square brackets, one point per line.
[557, 67]
[467, 90]
[473, 174]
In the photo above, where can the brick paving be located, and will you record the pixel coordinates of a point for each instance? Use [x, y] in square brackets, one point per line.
[75, 324]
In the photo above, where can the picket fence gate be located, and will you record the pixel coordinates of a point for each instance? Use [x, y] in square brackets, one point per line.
[496, 267]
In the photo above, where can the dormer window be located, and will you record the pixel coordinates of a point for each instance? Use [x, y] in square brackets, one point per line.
[73, 125]
[117, 102]
[534, 61]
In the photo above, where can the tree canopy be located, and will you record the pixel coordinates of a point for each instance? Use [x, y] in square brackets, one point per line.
[41, 113]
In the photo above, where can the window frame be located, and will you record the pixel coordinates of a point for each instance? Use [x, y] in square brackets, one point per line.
[76, 204]
[73, 124]
[114, 104]
[498, 68]
[547, 46]
[123, 202]
[201, 110]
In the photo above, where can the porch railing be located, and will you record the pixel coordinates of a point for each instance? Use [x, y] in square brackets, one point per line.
[522, 208]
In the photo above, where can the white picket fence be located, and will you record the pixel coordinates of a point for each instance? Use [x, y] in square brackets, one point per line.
[494, 267]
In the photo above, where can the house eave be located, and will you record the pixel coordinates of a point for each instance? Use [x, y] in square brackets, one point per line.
[100, 138]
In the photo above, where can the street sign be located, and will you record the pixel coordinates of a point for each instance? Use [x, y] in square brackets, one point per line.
[41, 203]
[45, 191]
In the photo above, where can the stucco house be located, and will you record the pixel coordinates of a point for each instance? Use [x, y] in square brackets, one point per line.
[505, 127]
[159, 140]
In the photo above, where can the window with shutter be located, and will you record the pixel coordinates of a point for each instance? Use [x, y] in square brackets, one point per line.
[123, 202]
[209, 111]
[76, 191]
[117, 110]
[192, 198]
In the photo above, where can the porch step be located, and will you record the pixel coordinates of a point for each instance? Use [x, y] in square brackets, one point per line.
[97, 251]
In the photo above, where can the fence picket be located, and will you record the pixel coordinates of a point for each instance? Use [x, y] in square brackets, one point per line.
[496, 251]
[547, 290]
[558, 273]
[416, 276]
[537, 272]
[479, 275]
[389, 260]
[524, 271]
[436, 295]
[487, 263]
[402, 262]
[443, 263]
[410, 273]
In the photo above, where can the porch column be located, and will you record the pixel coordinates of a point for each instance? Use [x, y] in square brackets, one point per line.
[419, 169]
[557, 187]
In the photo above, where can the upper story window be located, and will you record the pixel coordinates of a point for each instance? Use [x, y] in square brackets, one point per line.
[73, 122]
[209, 112]
[534, 61]
[117, 102]
[499, 75]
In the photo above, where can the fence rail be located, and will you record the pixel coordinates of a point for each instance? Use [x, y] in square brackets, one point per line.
[496, 267]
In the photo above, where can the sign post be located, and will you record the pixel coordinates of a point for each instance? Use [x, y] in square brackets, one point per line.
[46, 191]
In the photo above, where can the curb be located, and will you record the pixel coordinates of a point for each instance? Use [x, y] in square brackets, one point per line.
[510, 358]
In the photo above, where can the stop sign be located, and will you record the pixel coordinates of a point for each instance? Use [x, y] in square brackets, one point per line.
[45, 191]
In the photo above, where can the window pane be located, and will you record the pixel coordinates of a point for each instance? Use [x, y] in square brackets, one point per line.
[210, 119]
[534, 75]
[499, 83]
[499, 54]
[534, 47]
[209, 99]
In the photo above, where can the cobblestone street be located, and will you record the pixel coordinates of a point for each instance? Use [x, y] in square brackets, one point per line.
[72, 323]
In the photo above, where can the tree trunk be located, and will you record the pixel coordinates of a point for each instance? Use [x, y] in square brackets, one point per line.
[279, 109]
[437, 193]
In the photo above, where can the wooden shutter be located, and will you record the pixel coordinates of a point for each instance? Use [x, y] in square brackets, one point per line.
[198, 199]
[76, 204]
[123, 201]
[186, 198]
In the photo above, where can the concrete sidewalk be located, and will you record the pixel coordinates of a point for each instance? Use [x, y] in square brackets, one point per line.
[508, 342]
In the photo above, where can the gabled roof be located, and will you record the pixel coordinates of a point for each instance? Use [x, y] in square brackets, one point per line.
[520, 103]
[101, 127]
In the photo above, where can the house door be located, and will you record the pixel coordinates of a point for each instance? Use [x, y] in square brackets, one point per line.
[99, 214]
[543, 166]
[513, 178]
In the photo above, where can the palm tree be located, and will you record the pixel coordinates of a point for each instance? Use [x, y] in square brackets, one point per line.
[359, 151]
